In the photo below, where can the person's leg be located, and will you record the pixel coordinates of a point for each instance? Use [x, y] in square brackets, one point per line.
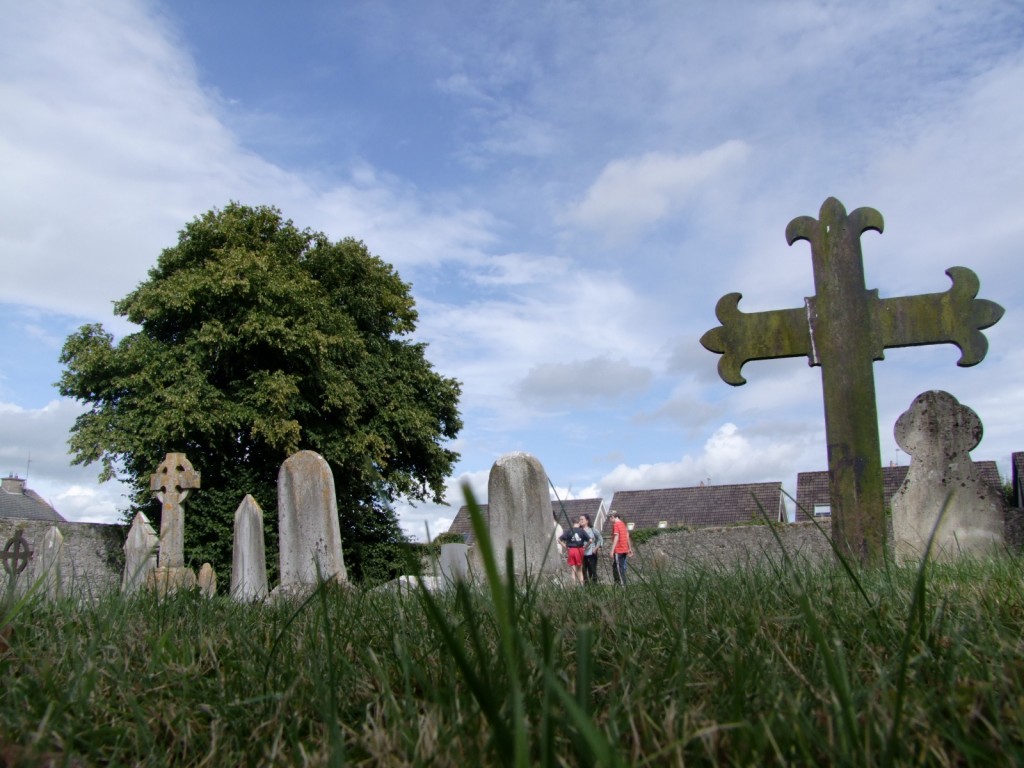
[576, 563]
[620, 563]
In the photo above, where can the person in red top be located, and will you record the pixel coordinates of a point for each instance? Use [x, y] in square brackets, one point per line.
[621, 547]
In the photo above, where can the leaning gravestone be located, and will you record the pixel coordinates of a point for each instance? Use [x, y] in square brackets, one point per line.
[249, 555]
[50, 562]
[943, 486]
[310, 535]
[171, 484]
[453, 562]
[519, 514]
[139, 554]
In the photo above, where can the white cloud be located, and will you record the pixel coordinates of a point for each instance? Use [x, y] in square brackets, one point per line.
[35, 448]
[581, 383]
[512, 269]
[728, 457]
[110, 146]
[638, 191]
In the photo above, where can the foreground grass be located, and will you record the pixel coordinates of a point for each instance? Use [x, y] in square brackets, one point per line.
[758, 666]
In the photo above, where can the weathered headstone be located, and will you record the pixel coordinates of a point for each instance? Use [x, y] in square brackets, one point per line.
[942, 481]
[171, 484]
[207, 581]
[249, 554]
[844, 328]
[139, 554]
[310, 534]
[49, 567]
[453, 562]
[519, 514]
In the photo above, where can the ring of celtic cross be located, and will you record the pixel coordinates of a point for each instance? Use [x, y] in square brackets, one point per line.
[16, 555]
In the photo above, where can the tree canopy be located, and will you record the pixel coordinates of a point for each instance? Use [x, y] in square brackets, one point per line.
[257, 340]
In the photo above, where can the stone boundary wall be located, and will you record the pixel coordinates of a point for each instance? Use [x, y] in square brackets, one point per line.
[91, 562]
[755, 544]
[93, 557]
[731, 546]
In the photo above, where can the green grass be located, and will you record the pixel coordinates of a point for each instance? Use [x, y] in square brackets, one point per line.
[778, 664]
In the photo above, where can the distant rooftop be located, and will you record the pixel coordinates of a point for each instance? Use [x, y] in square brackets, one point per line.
[21, 503]
[812, 497]
[700, 506]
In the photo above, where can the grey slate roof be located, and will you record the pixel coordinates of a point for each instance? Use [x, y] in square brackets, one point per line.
[812, 487]
[573, 508]
[21, 503]
[705, 505]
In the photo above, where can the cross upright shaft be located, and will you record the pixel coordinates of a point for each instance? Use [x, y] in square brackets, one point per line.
[844, 328]
[840, 321]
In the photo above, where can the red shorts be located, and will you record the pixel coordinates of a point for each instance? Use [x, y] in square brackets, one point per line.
[575, 556]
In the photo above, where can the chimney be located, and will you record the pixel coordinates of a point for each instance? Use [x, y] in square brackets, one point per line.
[13, 484]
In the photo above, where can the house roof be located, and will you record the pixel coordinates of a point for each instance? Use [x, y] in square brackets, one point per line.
[706, 505]
[21, 503]
[812, 487]
[573, 509]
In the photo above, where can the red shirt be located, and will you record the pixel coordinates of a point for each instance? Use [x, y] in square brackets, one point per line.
[622, 546]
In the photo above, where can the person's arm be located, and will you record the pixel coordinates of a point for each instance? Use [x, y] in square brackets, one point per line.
[615, 542]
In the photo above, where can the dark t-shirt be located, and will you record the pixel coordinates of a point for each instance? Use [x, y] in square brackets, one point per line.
[575, 537]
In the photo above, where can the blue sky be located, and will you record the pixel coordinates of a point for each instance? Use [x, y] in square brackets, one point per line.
[568, 186]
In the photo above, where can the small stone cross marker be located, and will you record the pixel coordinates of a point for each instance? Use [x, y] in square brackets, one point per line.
[15, 556]
[844, 328]
[174, 478]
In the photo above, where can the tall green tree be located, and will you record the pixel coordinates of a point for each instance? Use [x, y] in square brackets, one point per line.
[256, 340]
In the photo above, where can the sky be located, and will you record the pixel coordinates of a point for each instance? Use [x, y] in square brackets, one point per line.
[569, 187]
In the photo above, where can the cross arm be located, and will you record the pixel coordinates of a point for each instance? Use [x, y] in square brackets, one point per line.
[955, 316]
[744, 336]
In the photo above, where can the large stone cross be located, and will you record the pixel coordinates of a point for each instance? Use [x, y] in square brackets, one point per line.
[844, 328]
[174, 478]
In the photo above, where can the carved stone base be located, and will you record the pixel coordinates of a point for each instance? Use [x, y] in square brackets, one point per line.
[295, 592]
[166, 581]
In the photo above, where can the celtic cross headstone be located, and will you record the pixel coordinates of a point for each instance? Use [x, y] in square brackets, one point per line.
[843, 329]
[171, 484]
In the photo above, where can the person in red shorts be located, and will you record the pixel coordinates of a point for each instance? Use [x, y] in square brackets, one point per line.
[575, 540]
[622, 547]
